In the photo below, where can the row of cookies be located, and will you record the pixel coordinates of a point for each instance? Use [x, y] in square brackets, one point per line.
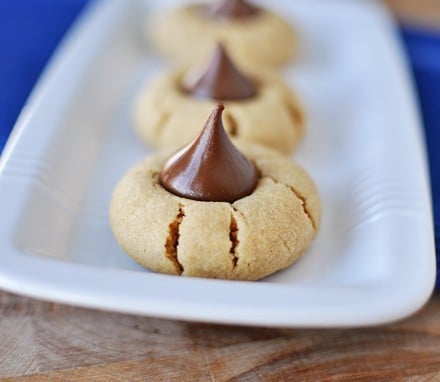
[223, 206]
[229, 45]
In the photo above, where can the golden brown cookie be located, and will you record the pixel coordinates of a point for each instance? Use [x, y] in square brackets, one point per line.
[259, 38]
[248, 239]
[262, 110]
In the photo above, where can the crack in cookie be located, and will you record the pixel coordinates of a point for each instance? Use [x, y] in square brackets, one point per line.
[172, 242]
[231, 125]
[233, 237]
[304, 205]
[301, 198]
[155, 176]
[296, 114]
[240, 213]
[283, 240]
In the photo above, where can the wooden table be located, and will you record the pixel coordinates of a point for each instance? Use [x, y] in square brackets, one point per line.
[63, 343]
[419, 12]
[44, 341]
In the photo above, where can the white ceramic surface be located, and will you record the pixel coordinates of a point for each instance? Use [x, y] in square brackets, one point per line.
[373, 260]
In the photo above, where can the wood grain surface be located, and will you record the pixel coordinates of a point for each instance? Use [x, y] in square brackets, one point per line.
[46, 341]
[418, 12]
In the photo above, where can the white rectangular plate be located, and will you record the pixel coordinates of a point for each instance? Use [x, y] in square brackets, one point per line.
[373, 260]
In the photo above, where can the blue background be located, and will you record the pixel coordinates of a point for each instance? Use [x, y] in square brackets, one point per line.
[31, 29]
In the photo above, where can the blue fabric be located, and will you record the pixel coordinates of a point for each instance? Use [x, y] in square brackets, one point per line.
[29, 32]
[423, 49]
[31, 29]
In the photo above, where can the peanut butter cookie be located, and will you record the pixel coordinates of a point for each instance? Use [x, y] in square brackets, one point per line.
[210, 211]
[253, 35]
[260, 107]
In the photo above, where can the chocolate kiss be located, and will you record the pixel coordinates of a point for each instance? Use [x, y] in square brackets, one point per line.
[210, 168]
[221, 80]
[231, 9]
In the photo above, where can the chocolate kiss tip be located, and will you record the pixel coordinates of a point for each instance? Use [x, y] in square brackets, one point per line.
[210, 168]
[221, 80]
[231, 9]
[218, 110]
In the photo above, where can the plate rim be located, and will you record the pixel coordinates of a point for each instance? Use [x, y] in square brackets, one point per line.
[45, 285]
